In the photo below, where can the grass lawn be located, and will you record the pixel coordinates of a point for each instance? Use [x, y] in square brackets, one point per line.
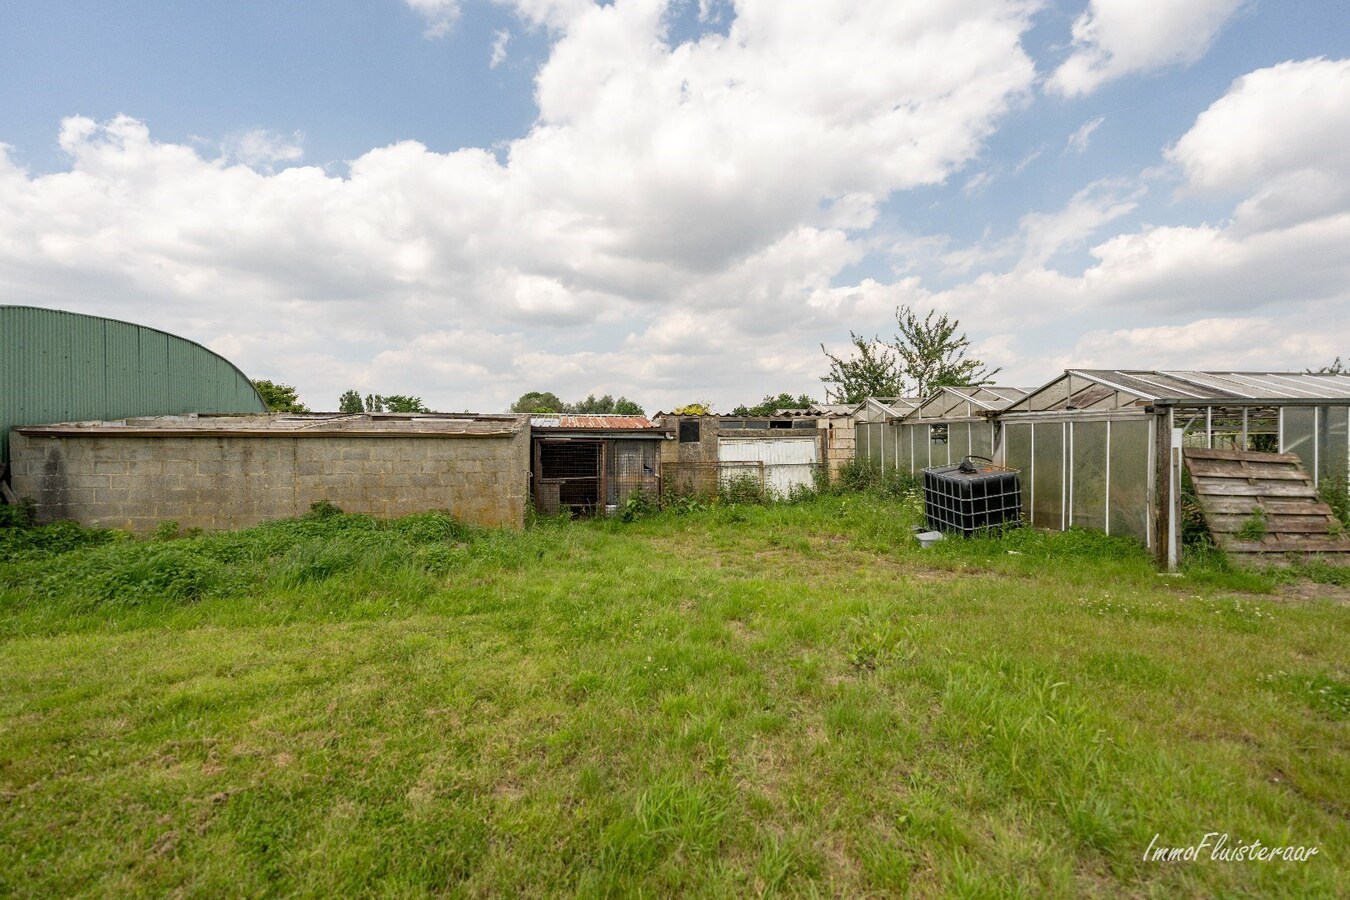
[740, 700]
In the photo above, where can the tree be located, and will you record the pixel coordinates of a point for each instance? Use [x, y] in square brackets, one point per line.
[538, 402]
[374, 403]
[403, 403]
[548, 402]
[279, 397]
[603, 406]
[872, 372]
[351, 403]
[592, 406]
[771, 404]
[932, 354]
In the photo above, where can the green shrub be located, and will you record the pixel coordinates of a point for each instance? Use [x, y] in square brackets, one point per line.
[1335, 492]
[18, 515]
[743, 488]
[857, 476]
[639, 505]
[430, 527]
[128, 573]
[41, 541]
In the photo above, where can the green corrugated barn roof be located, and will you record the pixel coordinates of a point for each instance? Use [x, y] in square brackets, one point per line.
[58, 366]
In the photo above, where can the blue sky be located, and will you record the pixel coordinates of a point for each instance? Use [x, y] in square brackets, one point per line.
[680, 200]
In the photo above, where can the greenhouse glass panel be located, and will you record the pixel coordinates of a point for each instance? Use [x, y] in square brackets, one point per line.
[1300, 435]
[919, 435]
[864, 443]
[1089, 475]
[1332, 449]
[902, 449]
[960, 441]
[982, 440]
[1017, 455]
[1047, 494]
[893, 441]
[938, 445]
[1128, 499]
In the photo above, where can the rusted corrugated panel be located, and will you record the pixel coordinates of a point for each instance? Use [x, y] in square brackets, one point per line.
[575, 422]
[59, 366]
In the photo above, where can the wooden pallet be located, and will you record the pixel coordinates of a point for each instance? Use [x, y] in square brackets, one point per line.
[1232, 485]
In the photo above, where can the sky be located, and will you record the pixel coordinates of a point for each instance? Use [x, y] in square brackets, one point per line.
[680, 201]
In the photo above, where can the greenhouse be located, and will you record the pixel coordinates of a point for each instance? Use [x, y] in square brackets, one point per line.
[951, 424]
[1102, 448]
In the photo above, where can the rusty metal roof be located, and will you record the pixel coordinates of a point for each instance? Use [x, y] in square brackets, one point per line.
[592, 423]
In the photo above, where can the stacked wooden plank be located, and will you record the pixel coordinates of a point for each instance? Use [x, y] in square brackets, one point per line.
[1261, 506]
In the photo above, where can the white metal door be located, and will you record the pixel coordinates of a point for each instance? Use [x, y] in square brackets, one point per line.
[788, 461]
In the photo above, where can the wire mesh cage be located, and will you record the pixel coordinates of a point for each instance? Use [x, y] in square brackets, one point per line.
[971, 496]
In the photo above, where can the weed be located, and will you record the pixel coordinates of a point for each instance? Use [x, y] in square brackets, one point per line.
[639, 505]
[1255, 528]
[1335, 493]
[18, 515]
[743, 488]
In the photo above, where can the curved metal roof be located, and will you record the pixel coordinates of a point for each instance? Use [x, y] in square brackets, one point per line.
[59, 366]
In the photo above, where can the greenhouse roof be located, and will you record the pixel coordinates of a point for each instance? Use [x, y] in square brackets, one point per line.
[956, 402]
[879, 408]
[1104, 389]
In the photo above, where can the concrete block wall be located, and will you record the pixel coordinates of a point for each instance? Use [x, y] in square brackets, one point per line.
[841, 443]
[216, 482]
[690, 467]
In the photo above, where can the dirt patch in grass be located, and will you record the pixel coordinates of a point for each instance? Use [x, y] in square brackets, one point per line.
[1304, 590]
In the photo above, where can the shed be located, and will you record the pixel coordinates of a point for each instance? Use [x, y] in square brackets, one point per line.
[227, 472]
[584, 463]
[58, 366]
[710, 453]
[1102, 448]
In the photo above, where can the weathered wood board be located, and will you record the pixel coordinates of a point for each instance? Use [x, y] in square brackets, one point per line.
[1261, 507]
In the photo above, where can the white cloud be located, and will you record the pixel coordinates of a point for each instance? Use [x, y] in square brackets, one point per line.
[1278, 136]
[675, 224]
[1079, 140]
[722, 183]
[499, 41]
[440, 15]
[261, 148]
[1267, 287]
[1113, 38]
[1235, 343]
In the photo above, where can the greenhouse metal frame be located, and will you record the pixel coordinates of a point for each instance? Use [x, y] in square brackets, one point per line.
[1102, 448]
[943, 429]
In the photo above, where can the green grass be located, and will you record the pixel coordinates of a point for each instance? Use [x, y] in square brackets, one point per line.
[741, 700]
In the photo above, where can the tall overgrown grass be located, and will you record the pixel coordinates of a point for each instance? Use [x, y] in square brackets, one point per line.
[737, 698]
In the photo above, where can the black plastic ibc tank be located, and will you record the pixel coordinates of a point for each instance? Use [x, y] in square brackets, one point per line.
[971, 497]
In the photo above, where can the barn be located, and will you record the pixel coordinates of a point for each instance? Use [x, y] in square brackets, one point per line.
[58, 366]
